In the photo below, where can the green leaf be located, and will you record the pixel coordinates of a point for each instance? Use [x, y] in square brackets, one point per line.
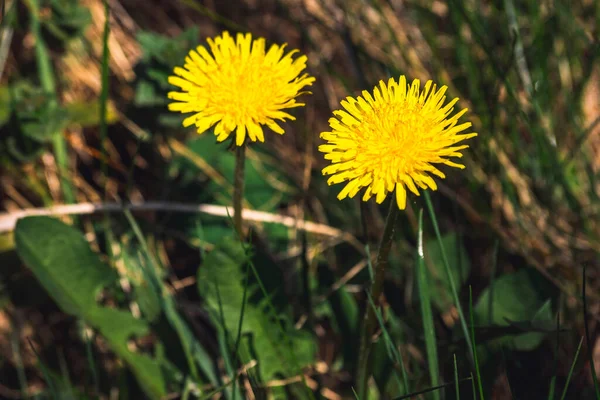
[145, 295]
[68, 19]
[73, 275]
[521, 296]
[160, 53]
[33, 113]
[29, 118]
[441, 294]
[153, 274]
[221, 281]
[165, 49]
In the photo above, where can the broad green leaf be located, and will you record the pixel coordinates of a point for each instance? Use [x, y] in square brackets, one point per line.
[221, 280]
[73, 275]
[543, 319]
[441, 294]
[517, 297]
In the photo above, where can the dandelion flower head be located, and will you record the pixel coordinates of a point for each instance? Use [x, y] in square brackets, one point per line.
[238, 86]
[392, 140]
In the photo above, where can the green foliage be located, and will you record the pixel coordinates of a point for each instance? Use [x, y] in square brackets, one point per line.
[424, 290]
[68, 19]
[160, 54]
[29, 119]
[520, 300]
[221, 281]
[530, 197]
[194, 352]
[73, 275]
[460, 269]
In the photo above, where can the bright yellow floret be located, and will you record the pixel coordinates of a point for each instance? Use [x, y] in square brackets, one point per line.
[238, 86]
[391, 140]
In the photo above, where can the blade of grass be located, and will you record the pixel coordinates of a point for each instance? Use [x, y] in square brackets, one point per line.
[45, 372]
[426, 312]
[16, 350]
[225, 344]
[222, 335]
[89, 352]
[363, 370]
[47, 80]
[436, 228]
[104, 96]
[553, 380]
[195, 5]
[491, 285]
[456, 379]
[564, 393]
[187, 388]
[414, 395]
[212, 394]
[224, 348]
[306, 287]
[393, 352]
[475, 358]
[6, 34]
[520, 59]
[193, 350]
[241, 321]
[67, 392]
[588, 341]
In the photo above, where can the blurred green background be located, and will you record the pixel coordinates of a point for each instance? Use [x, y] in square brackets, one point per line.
[108, 301]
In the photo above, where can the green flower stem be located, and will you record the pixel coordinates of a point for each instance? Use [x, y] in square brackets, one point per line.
[370, 321]
[238, 188]
[46, 76]
[104, 97]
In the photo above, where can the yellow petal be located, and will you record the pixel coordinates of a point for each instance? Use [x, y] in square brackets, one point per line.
[401, 196]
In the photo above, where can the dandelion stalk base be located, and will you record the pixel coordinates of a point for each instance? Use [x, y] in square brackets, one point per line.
[238, 188]
[370, 320]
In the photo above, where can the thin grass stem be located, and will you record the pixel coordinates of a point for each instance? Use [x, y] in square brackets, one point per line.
[475, 358]
[393, 352]
[588, 340]
[564, 393]
[426, 312]
[104, 96]
[456, 381]
[48, 82]
[436, 228]
[551, 391]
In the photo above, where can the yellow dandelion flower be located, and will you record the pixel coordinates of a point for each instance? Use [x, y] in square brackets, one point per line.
[240, 87]
[391, 140]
